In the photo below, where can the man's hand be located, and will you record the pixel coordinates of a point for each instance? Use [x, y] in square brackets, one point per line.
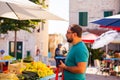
[62, 65]
[79, 68]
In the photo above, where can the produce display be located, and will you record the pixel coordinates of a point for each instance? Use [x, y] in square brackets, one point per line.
[28, 75]
[25, 69]
[15, 68]
[28, 59]
[8, 76]
[8, 57]
[40, 68]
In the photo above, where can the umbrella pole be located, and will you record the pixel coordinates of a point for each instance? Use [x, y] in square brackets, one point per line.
[106, 48]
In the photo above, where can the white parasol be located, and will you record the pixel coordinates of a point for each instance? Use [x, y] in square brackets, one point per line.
[104, 39]
[25, 10]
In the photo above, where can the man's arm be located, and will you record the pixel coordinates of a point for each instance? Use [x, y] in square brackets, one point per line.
[79, 68]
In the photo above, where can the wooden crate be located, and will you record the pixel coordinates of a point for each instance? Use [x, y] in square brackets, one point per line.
[15, 68]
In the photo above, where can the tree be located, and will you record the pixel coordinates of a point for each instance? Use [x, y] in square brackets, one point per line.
[17, 25]
[40, 2]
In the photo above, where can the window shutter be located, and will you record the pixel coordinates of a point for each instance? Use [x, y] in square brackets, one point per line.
[108, 13]
[83, 18]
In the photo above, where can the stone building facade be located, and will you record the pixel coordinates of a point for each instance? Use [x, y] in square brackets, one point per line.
[83, 12]
[27, 42]
[94, 9]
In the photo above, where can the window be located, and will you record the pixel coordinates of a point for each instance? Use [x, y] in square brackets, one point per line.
[108, 13]
[83, 18]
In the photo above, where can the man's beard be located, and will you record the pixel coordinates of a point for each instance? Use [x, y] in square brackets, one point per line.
[70, 40]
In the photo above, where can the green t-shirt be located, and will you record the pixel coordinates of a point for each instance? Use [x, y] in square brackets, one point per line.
[77, 53]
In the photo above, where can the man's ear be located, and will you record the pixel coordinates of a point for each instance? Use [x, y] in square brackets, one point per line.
[75, 34]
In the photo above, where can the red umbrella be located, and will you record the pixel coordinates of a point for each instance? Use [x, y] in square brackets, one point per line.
[88, 37]
[111, 27]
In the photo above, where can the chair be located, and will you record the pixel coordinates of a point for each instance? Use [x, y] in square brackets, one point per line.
[101, 68]
[97, 65]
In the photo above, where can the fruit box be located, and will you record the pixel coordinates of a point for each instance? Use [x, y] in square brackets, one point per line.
[15, 68]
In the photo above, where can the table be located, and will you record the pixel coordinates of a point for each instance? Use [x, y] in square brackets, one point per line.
[115, 62]
[112, 59]
[8, 60]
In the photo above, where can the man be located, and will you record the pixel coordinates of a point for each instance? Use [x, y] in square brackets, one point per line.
[58, 53]
[1, 54]
[77, 58]
[1, 58]
[38, 55]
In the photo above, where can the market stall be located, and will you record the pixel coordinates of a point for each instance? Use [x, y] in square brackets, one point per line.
[20, 70]
[5, 62]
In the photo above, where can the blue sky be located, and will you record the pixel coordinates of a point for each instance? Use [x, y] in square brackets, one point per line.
[60, 8]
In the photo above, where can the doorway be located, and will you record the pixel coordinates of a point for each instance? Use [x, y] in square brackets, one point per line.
[19, 49]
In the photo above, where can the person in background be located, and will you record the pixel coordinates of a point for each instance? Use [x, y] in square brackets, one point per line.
[105, 55]
[58, 53]
[77, 57]
[106, 63]
[38, 55]
[58, 50]
[117, 55]
[1, 54]
[2, 64]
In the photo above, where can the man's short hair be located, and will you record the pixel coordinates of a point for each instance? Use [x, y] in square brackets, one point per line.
[76, 29]
[59, 44]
